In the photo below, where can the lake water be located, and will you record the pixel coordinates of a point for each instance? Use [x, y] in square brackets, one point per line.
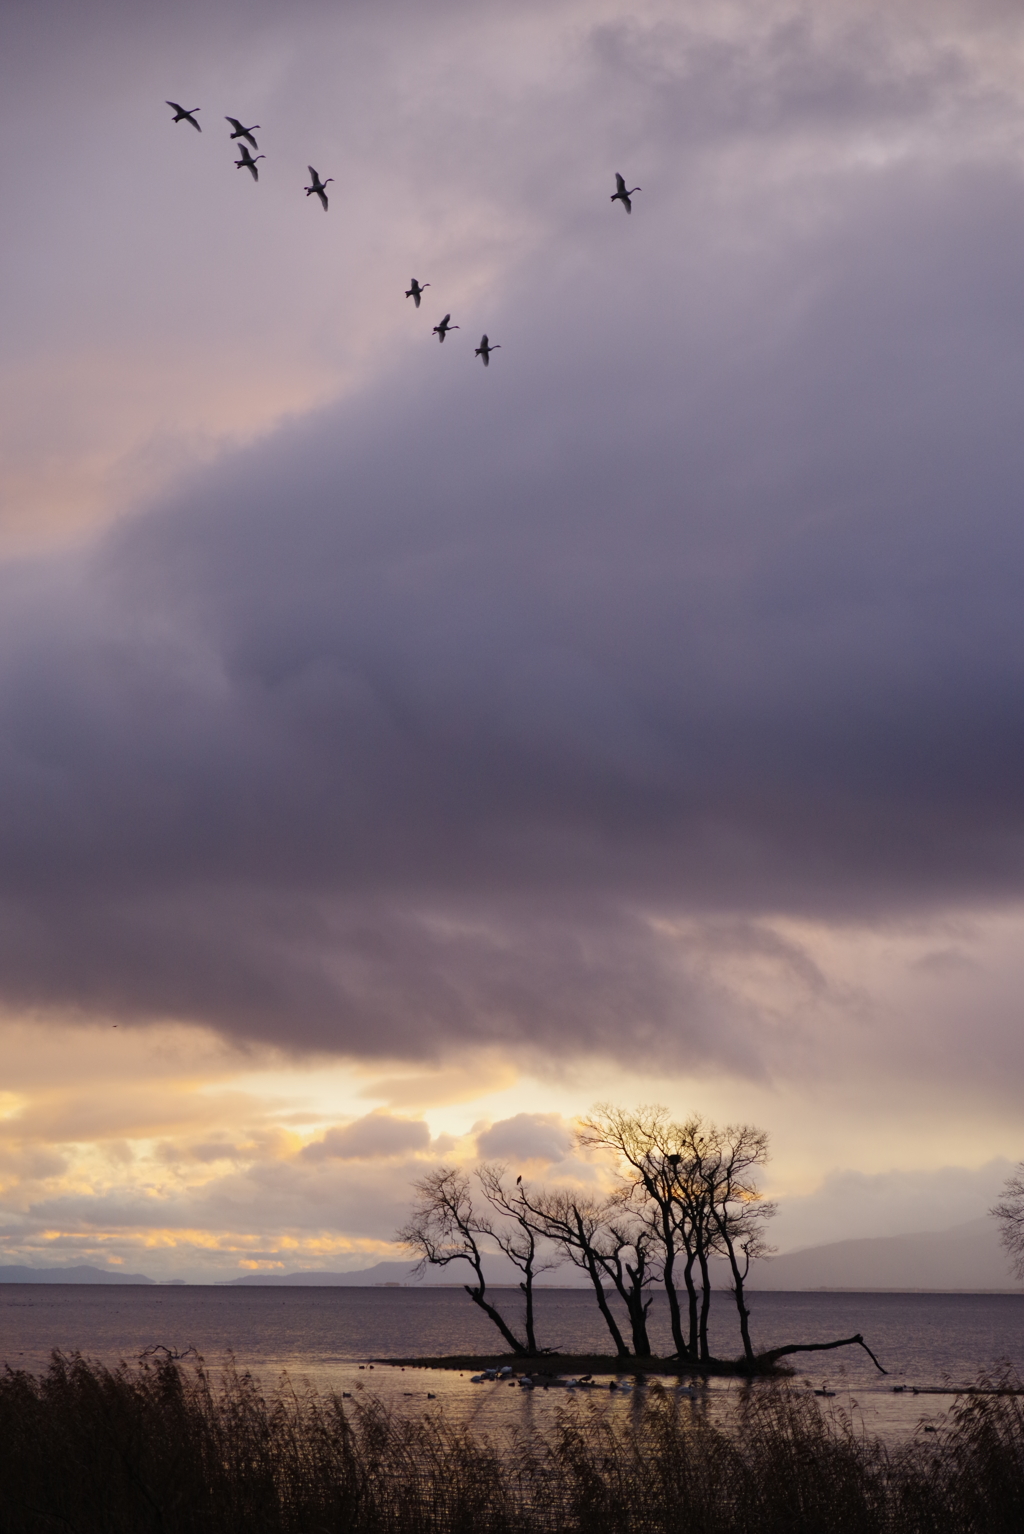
[322, 1336]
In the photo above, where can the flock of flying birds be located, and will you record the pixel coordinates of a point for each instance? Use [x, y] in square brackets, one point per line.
[244, 138]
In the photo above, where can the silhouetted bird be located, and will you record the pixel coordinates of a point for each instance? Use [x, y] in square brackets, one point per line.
[416, 291]
[621, 195]
[519, 1180]
[241, 132]
[184, 114]
[319, 187]
[440, 331]
[485, 349]
[248, 162]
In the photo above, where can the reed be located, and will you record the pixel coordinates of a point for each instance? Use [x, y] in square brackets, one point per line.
[166, 1446]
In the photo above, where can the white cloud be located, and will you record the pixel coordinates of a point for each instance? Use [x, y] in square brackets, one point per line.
[526, 1137]
[377, 1136]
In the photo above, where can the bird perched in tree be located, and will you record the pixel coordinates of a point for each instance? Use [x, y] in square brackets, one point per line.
[519, 1180]
[185, 114]
[248, 162]
[485, 349]
[240, 132]
[620, 193]
[440, 331]
[416, 291]
[319, 187]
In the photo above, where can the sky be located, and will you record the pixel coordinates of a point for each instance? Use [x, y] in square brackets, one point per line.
[398, 757]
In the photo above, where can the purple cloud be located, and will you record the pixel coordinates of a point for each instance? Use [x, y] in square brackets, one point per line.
[416, 727]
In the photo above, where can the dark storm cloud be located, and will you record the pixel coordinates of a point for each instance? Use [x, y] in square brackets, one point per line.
[403, 730]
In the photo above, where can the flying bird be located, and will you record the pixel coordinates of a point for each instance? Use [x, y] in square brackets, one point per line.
[620, 193]
[485, 349]
[319, 187]
[248, 162]
[240, 132]
[416, 291]
[440, 331]
[184, 114]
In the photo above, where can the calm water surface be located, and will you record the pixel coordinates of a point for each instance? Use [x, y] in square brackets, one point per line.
[321, 1336]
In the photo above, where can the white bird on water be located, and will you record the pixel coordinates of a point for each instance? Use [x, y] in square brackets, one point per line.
[184, 114]
[248, 162]
[620, 193]
[241, 132]
[319, 187]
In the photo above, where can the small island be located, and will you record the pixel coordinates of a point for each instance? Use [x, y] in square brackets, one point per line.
[552, 1368]
[675, 1197]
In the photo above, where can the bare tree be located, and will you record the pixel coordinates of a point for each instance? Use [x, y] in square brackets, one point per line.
[600, 1236]
[576, 1226]
[1010, 1214]
[694, 1225]
[738, 1210]
[694, 1187]
[445, 1228]
[518, 1237]
[628, 1232]
[646, 1141]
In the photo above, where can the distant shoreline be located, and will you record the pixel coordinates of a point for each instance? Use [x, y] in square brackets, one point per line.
[141, 1282]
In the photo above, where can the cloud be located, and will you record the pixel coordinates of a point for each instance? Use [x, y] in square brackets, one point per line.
[526, 1137]
[850, 1203]
[373, 1137]
[514, 711]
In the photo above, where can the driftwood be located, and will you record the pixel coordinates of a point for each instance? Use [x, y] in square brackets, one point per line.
[774, 1354]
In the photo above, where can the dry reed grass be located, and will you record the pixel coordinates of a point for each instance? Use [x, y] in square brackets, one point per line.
[168, 1448]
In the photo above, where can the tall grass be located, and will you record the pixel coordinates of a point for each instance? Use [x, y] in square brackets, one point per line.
[168, 1448]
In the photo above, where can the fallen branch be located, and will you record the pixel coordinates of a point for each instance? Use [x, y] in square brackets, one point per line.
[774, 1354]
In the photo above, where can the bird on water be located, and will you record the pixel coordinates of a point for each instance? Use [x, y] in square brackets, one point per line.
[248, 162]
[184, 114]
[440, 331]
[485, 349]
[620, 193]
[240, 132]
[416, 291]
[319, 187]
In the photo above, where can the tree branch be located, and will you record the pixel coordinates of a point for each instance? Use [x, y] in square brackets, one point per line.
[774, 1354]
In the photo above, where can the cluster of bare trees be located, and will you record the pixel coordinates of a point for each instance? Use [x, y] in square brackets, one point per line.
[683, 1195]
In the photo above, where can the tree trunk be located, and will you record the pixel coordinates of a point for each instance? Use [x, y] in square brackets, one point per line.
[634, 1298]
[691, 1305]
[675, 1318]
[602, 1301]
[527, 1288]
[705, 1306]
[477, 1296]
[638, 1327]
[738, 1296]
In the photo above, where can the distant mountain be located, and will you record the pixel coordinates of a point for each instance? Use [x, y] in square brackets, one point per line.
[966, 1257]
[380, 1273]
[83, 1274]
[497, 1270]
